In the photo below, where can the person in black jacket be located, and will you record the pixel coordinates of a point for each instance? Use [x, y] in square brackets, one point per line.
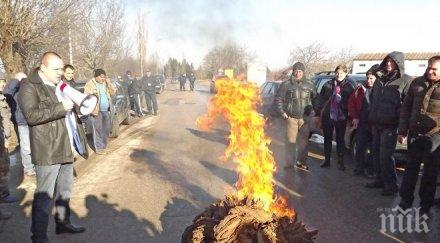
[293, 102]
[149, 83]
[134, 91]
[182, 81]
[420, 120]
[331, 104]
[386, 98]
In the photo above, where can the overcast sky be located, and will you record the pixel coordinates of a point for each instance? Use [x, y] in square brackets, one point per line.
[189, 28]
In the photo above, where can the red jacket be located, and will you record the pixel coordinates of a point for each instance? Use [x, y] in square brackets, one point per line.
[355, 102]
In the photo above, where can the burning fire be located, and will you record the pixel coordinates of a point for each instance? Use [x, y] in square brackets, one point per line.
[248, 144]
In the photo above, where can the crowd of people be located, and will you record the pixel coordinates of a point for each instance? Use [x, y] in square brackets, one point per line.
[51, 134]
[389, 107]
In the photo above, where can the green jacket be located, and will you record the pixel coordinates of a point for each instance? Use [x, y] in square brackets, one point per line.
[45, 115]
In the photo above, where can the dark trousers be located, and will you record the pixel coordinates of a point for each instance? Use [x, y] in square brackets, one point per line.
[182, 85]
[339, 126]
[151, 100]
[424, 150]
[137, 104]
[191, 85]
[52, 179]
[101, 129]
[384, 146]
[364, 139]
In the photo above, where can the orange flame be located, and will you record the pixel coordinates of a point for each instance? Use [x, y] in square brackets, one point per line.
[248, 143]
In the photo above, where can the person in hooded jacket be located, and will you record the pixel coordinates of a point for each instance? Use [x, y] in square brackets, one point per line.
[293, 102]
[386, 99]
[331, 104]
[358, 110]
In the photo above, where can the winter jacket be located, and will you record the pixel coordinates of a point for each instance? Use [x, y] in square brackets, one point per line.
[294, 96]
[45, 115]
[149, 84]
[91, 87]
[135, 87]
[359, 104]
[322, 103]
[388, 93]
[416, 99]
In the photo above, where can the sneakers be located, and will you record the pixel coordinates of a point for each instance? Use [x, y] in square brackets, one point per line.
[325, 164]
[301, 165]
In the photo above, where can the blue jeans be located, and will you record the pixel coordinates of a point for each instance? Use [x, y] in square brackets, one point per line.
[101, 129]
[51, 179]
[25, 148]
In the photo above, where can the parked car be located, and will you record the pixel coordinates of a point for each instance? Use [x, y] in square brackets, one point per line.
[119, 110]
[160, 79]
[267, 94]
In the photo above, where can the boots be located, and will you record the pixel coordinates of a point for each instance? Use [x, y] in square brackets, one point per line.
[326, 163]
[341, 162]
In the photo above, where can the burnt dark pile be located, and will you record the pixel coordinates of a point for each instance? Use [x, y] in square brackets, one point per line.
[234, 220]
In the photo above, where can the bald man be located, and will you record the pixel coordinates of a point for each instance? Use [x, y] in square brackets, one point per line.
[56, 136]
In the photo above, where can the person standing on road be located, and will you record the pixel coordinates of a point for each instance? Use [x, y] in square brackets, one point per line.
[386, 99]
[420, 121]
[102, 87]
[68, 75]
[358, 110]
[23, 129]
[332, 105]
[8, 142]
[294, 103]
[192, 80]
[134, 90]
[56, 135]
[182, 81]
[149, 85]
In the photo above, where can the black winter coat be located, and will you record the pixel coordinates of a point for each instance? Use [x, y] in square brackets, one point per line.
[293, 97]
[322, 101]
[388, 93]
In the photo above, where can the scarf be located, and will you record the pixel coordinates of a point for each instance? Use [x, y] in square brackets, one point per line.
[336, 113]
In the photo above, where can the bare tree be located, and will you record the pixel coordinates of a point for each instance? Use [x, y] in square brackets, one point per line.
[24, 26]
[98, 37]
[343, 56]
[313, 56]
[229, 55]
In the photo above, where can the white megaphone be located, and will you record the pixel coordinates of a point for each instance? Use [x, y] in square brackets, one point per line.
[86, 103]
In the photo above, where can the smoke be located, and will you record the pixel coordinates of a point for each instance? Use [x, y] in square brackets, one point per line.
[203, 21]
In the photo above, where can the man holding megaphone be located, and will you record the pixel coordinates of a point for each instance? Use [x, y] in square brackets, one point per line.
[56, 135]
[102, 88]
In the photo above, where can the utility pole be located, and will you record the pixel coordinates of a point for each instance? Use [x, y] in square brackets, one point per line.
[142, 40]
[70, 40]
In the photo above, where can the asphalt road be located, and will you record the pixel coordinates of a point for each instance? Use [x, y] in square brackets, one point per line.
[162, 171]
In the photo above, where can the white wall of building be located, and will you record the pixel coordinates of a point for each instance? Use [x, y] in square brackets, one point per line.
[412, 67]
[256, 72]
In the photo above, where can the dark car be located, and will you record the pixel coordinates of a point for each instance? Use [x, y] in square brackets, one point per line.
[267, 94]
[119, 111]
[160, 87]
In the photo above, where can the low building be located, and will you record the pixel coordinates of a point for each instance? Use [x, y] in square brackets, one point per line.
[415, 62]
